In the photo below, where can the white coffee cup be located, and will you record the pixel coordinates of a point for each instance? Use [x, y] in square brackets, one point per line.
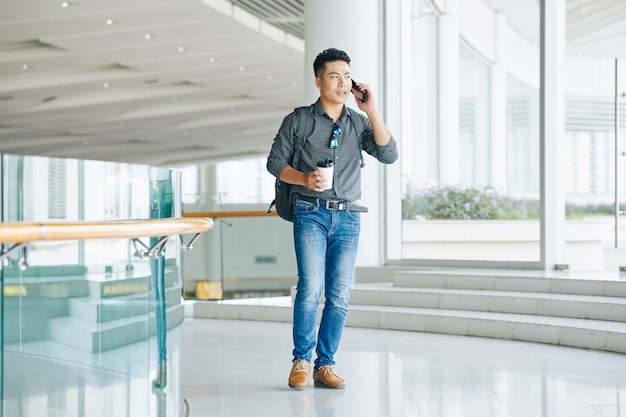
[327, 168]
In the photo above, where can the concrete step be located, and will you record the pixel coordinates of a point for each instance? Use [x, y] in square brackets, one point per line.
[550, 283]
[31, 301]
[45, 287]
[39, 307]
[91, 336]
[101, 310]
[14, 331]
[513, 302]
[264, 309]
[561, 308]
[121, 284]
[581, 333]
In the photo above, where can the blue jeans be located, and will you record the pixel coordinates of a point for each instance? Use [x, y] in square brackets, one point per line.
[326, 244]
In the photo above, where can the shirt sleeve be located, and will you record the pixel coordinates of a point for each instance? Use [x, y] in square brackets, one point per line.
[387, 154]
[282, 149]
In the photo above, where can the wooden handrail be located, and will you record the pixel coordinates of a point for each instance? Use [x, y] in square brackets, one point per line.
[21, 234]
[30, 232]
[218, 214]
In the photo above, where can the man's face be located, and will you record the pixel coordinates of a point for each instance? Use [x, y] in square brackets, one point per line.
[335, 83]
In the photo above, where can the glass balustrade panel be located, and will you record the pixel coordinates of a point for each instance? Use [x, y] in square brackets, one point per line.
[80, 317]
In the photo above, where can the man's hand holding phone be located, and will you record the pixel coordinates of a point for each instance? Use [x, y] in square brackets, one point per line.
[359, 94]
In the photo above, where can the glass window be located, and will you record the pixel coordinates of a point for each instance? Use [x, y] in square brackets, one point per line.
[470, 144]
[594, 165]
[244, 181]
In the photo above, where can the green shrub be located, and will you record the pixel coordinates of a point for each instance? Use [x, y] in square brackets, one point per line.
[574, 211]
[454, 203]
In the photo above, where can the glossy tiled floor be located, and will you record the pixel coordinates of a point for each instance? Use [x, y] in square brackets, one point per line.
[240, 368]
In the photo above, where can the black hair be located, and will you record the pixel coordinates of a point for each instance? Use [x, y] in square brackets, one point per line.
[328, 55]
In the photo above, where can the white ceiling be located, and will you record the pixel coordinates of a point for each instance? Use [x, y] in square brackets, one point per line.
[593, 27]
[72, 85]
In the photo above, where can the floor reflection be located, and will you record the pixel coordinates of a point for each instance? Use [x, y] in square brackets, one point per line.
[240, 369]
[42, 380]
[315, 402]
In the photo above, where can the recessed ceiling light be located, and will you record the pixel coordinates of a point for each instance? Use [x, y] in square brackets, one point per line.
[242, 68]
[181, 49]
[106, 85]
[65, 4]
[147, 36]
[211, 60]
[109, 22]
[25, 66]
[269, 77]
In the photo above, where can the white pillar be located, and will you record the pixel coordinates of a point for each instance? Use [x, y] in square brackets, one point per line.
[207, 179]
[204, 263]
[552, 132]
[396, 87]
[349, 25]
[449, 63]
[353, 26]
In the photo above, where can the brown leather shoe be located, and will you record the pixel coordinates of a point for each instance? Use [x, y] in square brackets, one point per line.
[325, 377]
[299, 376]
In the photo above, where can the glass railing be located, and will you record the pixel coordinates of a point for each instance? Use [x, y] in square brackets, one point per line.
[247, 254]
[90, 326]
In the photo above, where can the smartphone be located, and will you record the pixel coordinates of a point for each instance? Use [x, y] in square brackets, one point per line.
[358, 94]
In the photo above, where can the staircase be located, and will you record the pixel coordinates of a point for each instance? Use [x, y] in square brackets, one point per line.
[561, 310]
[90, 313]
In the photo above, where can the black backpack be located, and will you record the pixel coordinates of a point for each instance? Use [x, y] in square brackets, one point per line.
[304, 121]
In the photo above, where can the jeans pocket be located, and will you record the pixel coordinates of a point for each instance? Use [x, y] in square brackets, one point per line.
[303, 207]
[355, 216]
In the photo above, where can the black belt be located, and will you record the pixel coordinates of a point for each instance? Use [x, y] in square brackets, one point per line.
[339, 205]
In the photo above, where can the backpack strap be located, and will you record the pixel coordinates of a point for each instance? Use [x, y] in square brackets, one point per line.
[304, 127]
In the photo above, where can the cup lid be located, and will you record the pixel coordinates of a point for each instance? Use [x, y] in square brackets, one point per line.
[326, 163]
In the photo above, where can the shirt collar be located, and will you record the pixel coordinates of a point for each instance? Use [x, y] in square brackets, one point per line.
[318, 109]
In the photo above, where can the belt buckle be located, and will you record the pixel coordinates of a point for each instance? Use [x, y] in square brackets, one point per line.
[335, 205]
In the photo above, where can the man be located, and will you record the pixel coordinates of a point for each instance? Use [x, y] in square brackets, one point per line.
[326, 222]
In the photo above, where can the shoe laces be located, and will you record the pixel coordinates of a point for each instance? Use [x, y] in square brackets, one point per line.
[329, 370]
[300, 366]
